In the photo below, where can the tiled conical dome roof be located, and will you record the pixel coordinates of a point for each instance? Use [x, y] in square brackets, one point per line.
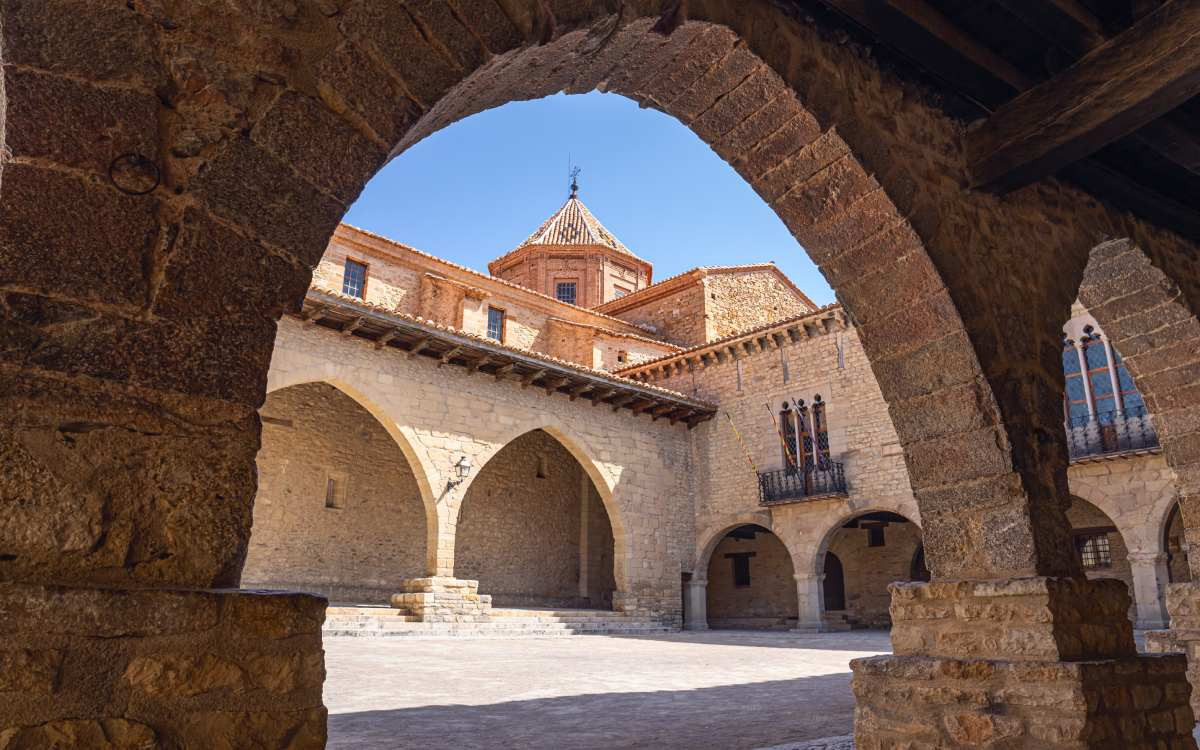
[574, 224]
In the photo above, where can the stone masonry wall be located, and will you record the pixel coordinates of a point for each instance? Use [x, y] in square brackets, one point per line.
[677, 317]
[519, 533]
[769, 602]
[351, 553]
[861, 436]
[641, 468]
[869, 570]
[737, 301]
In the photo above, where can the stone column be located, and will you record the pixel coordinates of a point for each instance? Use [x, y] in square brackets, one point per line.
[1087, 381]
[1149, 588]
[695, 609]
[585, 485]
[808, 596]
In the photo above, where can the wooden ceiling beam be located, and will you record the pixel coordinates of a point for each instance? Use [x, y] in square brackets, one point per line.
[418, 346]
[921, 33]
[1120, 86]
[387, 336]
[503, 370]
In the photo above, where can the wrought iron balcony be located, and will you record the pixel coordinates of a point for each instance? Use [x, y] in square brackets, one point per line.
[1111, 432]
[796, 484]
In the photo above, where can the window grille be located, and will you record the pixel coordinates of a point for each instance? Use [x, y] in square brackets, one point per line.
[564, 291]
[354, 279]
[1094, 551]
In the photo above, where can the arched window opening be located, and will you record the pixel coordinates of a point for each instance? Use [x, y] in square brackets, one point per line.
[338, 510]
[751, 583]
[1103, 410]
[1175, 544]
[862, 557]
[544, 543]
[1098, 544]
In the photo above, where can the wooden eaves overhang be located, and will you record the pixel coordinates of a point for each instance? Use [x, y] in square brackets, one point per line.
[416, 337]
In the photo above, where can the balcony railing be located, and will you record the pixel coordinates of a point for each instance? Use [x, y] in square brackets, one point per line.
[795, 484]
[1111, 432]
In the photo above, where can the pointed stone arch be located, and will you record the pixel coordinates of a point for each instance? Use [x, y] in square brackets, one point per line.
[406, 441]
[600, 478]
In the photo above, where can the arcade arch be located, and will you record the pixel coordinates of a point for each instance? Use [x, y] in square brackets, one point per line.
[857, 561]
[533, 529]
[339, 511]
[751, 581]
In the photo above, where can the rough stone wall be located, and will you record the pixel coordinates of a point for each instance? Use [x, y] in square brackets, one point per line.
[678, 317]
[519, 534]
[356, 551]
[641, 467]
[568, 342]
[769, 602]
[869, 570]
[740, 300]
[600, 580]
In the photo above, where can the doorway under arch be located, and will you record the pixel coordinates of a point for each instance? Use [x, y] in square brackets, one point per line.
[751, 582]
[338, 510]
[534, 531]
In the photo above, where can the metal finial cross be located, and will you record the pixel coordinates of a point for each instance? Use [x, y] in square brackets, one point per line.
[575, 181]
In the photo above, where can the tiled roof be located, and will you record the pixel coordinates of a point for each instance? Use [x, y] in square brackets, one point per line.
[574, 224]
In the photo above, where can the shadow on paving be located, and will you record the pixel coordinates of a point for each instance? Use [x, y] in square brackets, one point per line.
[865, 641]
[729, 717]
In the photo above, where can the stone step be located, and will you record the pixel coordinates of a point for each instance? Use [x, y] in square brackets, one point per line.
[484, 632]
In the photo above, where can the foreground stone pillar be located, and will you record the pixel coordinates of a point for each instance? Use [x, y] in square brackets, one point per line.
[1020, 663]
[97, 667]
[808, 596]
[695, 609]
[1183, 602]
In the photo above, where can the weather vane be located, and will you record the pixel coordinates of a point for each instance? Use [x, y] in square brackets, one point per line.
[575, 181]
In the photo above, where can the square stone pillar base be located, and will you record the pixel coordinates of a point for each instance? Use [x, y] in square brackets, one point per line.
[96, 667]
[442, 599]
[1020, 663]
[1183, 605]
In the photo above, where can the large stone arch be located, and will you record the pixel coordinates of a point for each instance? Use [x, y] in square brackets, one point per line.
[404, 438]
[600, 475]
[214, 146]
[1147, 319]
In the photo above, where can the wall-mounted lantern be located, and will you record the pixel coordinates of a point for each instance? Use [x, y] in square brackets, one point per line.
[461, 469]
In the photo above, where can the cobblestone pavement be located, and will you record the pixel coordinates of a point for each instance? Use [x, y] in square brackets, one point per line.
[729, 690]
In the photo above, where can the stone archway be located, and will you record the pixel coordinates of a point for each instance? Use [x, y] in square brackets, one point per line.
[749, 580]
[213, 152]
[534, 529]
[339, 510]
[872, 550]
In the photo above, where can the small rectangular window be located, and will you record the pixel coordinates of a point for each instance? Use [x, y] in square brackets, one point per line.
[564, 291]
[619, 292]
[331, 493]
[1094, 551]
[741, 570]
[354, 279]
[495, 329]
[622, 356]
[875, 536]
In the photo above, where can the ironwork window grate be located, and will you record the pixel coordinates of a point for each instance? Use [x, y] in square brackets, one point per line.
[1094, 551]
[564, 291]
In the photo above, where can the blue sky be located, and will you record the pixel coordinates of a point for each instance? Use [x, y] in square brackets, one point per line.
[476, 189]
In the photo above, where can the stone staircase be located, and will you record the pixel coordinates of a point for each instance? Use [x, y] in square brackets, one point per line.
[387, 622]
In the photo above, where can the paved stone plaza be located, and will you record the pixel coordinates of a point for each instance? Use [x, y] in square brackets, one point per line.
[716, 689]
